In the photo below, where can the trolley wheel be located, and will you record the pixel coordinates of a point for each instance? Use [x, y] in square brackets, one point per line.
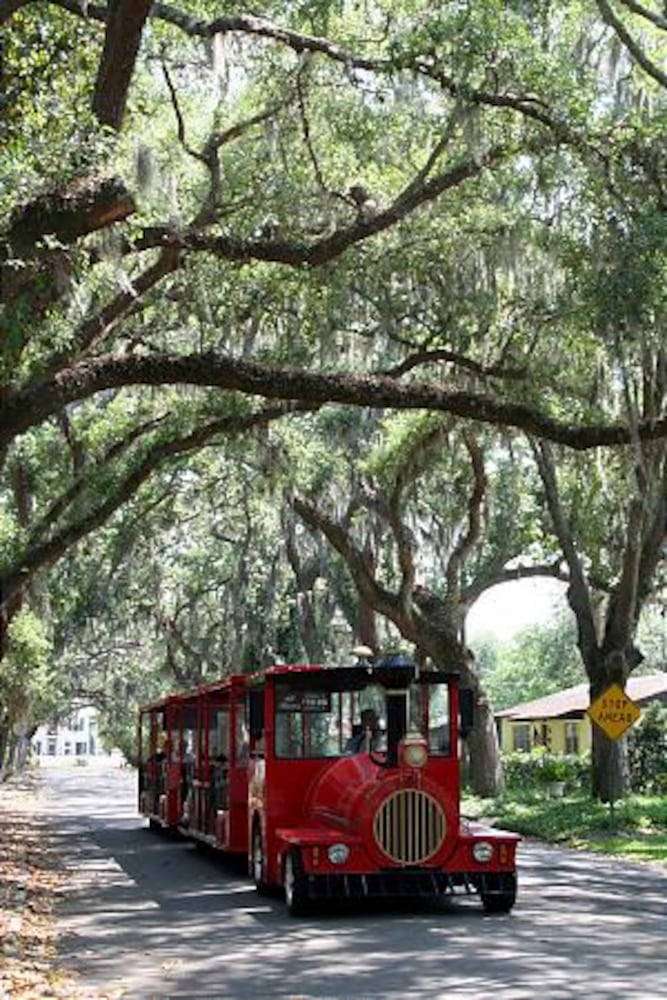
[500, 902]
[294, 882]
[258, 868]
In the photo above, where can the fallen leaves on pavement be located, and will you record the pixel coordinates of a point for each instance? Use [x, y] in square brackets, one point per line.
[30, 884]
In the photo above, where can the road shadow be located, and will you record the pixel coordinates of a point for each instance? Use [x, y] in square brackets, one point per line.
[150, 916]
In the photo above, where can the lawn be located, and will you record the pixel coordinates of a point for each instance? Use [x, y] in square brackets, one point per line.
[636, 828]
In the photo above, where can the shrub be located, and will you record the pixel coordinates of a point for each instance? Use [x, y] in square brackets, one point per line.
[647, 751]
[539, 767]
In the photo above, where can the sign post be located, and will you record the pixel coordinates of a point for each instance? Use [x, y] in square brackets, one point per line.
[614, 712]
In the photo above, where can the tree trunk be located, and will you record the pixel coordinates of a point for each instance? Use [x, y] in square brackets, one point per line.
[367, 626]
[610, 773]
[482, 764]
[433, 624]
[10, 755]
[4, 730]
[483, 769]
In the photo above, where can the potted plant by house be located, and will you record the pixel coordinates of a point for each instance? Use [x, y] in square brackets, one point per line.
[554, 773]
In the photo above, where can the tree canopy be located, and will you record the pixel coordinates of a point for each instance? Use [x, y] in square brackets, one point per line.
[215, 221]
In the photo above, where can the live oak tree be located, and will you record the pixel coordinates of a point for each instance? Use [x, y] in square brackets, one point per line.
[609, 513]
[424, 525]
[183, 207]
[610, 581]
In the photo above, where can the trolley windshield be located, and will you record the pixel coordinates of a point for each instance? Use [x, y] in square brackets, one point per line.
[315, 718]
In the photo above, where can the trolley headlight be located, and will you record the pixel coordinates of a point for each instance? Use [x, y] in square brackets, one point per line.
[413, 750]
[482, 852]
[415, 755]
[338, 854]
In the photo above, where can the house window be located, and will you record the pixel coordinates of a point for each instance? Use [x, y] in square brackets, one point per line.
[542, 735]
[521, 737]
[571, 737]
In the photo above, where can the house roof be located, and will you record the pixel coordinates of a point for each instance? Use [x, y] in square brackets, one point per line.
[575, 700]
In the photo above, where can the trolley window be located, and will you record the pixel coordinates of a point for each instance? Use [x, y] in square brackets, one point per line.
[438, 719]
[313, 722]
[320, 720]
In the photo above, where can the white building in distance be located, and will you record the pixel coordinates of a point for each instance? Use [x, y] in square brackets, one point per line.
[75, 736]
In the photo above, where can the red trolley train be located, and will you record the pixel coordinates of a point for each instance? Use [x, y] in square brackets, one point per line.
[336, 782]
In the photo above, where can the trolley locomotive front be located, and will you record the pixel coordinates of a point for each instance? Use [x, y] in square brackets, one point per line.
[335, 782]
[359, 797]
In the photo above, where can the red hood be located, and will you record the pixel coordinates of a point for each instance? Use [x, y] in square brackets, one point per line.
[339, 794]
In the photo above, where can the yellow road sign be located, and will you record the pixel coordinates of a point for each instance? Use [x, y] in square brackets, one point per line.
[614, 712]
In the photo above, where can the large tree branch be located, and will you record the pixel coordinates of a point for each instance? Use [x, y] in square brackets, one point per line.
[377, 597]
[424, 625]
[82, 207]
[631, 45]
[649, 15]
[513, 574]
[405, 546]
[413, 465]
[471, 536]
[390, 513]
[81, 481]
[623, 609]
[247, 24]
[426, 64]
[440, 355]
[579, 596]
[124, 27]
[94, 330]
[327, 248]
[23, 408]
[33, 273]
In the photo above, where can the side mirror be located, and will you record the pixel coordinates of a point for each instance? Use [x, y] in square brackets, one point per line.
[466, 711]
[256, 713]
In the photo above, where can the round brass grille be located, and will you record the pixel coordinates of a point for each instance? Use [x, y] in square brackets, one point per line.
[410, 826]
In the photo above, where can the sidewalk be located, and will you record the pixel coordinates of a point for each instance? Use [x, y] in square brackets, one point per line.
[31, 884]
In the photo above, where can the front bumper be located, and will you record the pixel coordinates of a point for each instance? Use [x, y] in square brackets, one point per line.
[407, 884]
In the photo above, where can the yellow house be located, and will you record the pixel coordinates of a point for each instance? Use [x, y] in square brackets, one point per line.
[559, 721]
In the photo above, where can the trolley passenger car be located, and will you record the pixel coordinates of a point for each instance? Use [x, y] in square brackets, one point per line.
[336, 782]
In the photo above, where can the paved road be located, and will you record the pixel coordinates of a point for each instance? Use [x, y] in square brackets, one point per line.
[151, 918]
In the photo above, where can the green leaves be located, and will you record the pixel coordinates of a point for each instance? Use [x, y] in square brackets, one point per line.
[538, 661]
[529, 282]
[26, 681]
[629, 286]
[45, 131]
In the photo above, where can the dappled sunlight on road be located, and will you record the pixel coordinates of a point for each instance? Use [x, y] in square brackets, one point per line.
[154, 917]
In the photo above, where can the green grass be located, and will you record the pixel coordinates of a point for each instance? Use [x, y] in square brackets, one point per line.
[636, 829]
